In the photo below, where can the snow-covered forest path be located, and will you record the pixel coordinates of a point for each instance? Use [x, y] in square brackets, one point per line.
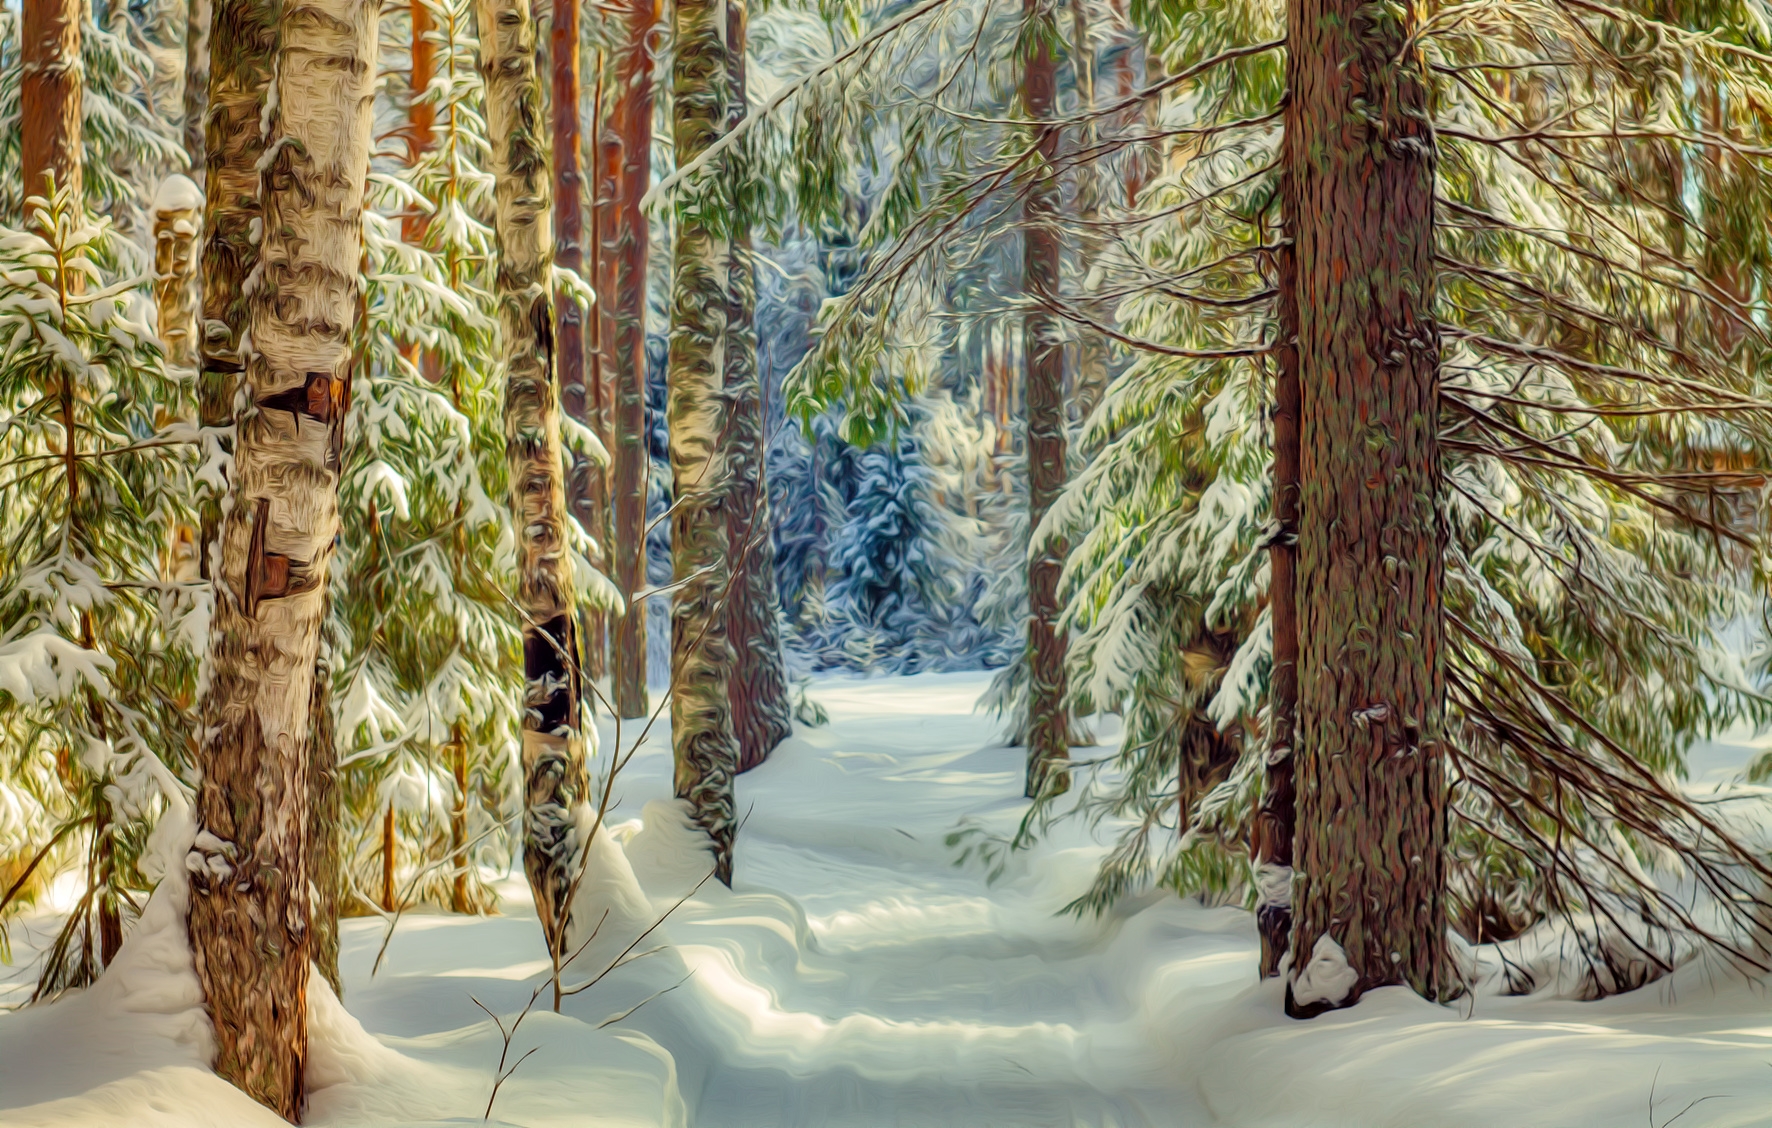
[856, 976]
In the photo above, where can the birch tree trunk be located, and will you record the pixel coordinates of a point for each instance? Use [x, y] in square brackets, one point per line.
[1048, 728]
[761, 717]
[178, 216]
[49, 94]
[705, 749]
[1359, 155]
[1276, 818]
[624, 172]
[250, 913]
[553, 742]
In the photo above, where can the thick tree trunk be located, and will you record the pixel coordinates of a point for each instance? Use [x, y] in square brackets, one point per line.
[553, 742]
[705, 747]
[1276, 819]
[250, 914]
[1048, 727]
[624, 172]
[1359, 156]
[49, 94]
[196, 92]
[761, 717]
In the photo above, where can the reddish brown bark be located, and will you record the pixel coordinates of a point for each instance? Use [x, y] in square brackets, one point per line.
[1359, 157]
[1048, 727]
[421, 135]
[624, 171]
[49, 94]
[579, 389]
[1276, 819]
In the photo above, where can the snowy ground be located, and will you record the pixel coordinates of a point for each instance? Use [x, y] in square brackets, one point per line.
[856, 977]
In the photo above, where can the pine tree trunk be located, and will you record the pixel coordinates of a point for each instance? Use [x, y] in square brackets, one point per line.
[554, 772]
[49, 94]
[579, 390]
[196, 92]
[458, 821]
[1276, 818]
[421, 113]
[1048, 727]
[761, 717]
[390, 858]
[251, 914]
[1090, 377]
[706, 750]
[1359, 155]
[624, 173]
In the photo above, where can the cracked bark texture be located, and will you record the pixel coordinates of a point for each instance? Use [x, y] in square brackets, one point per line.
[624, 172]
[703, 743]
[1359, 157]
[251, 921]
[1048, 724]
[554, 772]
[761, 717]
[50, 94]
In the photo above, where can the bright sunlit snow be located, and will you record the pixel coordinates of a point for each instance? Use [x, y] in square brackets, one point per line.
[855, 976]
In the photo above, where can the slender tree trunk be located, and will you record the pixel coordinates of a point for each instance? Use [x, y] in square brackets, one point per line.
[761, 717]
[250, 913]
[705, 747]
[578, 395]
[458, 821]
[196, 92]
[1359, 157]
[553, 742]
[1048, 728]
[49, 94]
[421, 113]
[325, 848]
[1090, 378]
[1276, 819]
[390, 859]
[624, 174]
[178, 216]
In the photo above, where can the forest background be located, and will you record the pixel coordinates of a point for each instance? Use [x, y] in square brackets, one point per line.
[1382, 381]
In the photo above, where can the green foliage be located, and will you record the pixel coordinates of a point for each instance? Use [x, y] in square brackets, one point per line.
[426, 649]
[98, 645]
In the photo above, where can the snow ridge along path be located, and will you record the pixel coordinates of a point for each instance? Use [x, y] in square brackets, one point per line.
[855, 976]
